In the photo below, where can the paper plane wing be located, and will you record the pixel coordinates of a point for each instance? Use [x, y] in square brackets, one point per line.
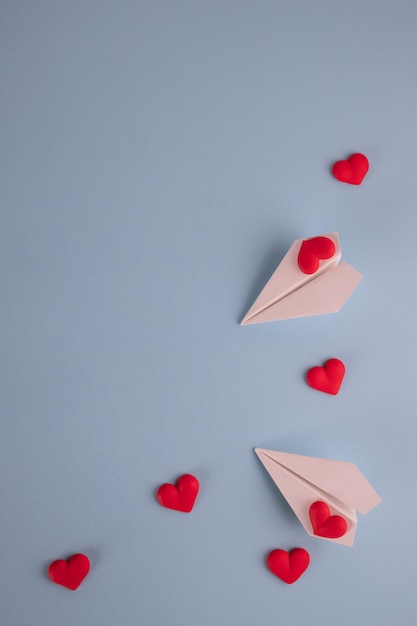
[303, 480]
[291, 293]
[326, 294]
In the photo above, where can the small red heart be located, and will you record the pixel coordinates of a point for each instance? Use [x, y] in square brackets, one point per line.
[324, 524]
[312, 251]
[180, 497]
[288, 566]
[327, 378]
[352, 171]
[69, 573]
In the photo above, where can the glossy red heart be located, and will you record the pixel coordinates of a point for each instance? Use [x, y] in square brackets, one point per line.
[324, 524]
[328, 378]
[312, 251]
[180, 497]
[288, 566]
[69, 573]
[352, 171]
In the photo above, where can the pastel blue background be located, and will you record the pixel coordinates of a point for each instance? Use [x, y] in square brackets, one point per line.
[157, 160]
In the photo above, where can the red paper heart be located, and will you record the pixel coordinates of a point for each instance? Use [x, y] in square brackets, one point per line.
[69, 573]
[312, 251]
[180, 497]
[327, 378]
[352, 171]
[324, 524]
[288, 566]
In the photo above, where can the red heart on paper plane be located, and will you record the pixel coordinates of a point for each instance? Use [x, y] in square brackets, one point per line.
[352, 171]
[328, 378]
[312, 251]
[69, 573]
[324, 524]
[180, 497]
[288, 566]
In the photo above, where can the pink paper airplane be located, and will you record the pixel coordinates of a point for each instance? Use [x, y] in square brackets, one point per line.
[308, 281]
[305, 481]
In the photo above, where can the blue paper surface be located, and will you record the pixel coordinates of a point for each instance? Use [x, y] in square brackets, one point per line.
[157, 161]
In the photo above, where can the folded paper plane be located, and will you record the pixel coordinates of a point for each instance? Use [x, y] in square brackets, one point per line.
[305, 481]
[310, 280]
